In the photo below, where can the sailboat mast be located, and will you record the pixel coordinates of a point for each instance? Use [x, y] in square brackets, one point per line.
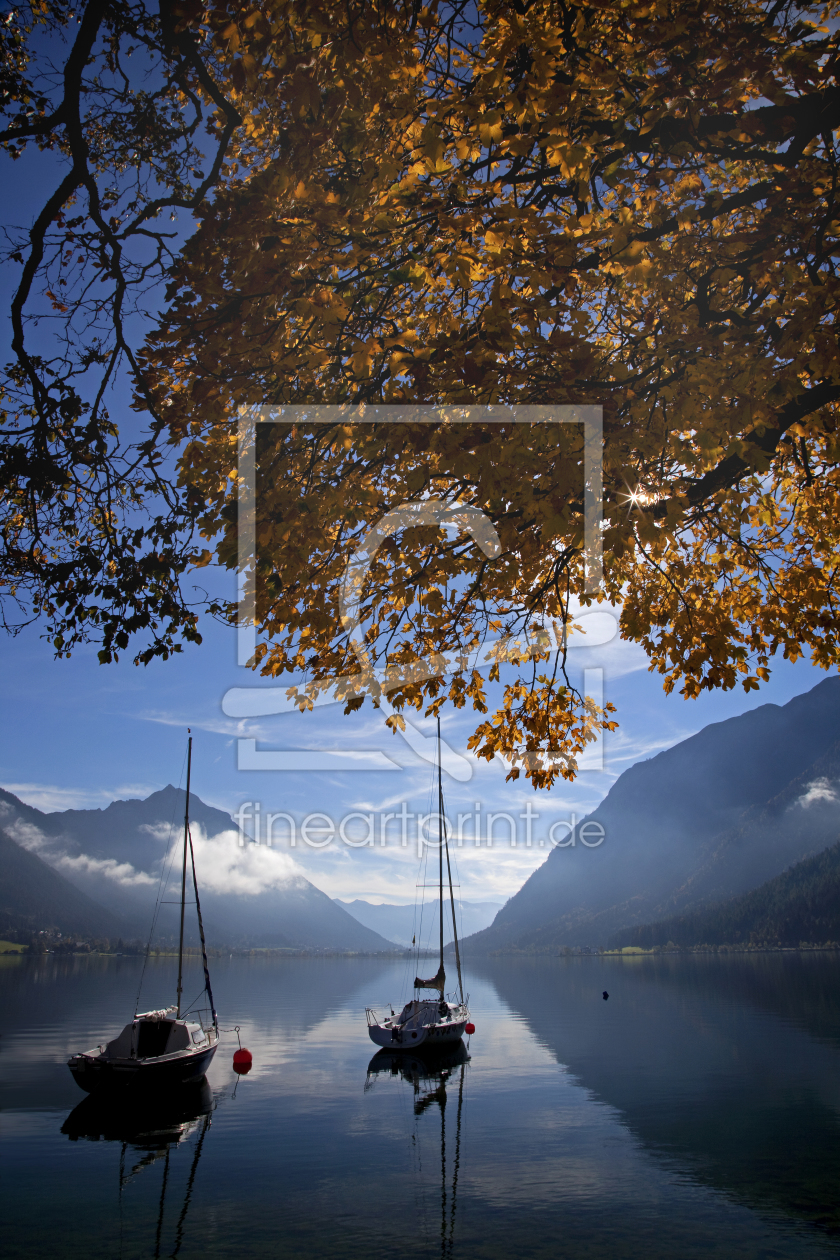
[445, 838]
[184, 879]
[442, 833]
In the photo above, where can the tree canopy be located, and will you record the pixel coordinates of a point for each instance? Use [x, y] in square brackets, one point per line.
[117, 114]
[630, 205]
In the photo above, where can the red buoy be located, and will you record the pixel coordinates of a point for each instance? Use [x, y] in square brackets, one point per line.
[469, 1029]
[242, 1061]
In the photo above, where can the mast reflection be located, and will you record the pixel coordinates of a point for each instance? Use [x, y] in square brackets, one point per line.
[149, 1125]
[429, 1075]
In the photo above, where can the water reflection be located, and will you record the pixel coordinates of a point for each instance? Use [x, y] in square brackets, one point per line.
[147, 1120]
[730, 1066]
[429, 1076]
[149, 1125]
[691, 1117]
[52, 1004]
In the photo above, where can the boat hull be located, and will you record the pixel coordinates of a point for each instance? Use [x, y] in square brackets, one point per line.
[402, 1039]
[91, 1071]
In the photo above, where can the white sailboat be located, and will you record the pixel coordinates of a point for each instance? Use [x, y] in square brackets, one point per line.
[160, 1048]
[429, 1022]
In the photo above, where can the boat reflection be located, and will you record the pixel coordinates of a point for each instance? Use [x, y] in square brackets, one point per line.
[150, 1124]
[421, 1069]
[430, 1075]
[141, 1118]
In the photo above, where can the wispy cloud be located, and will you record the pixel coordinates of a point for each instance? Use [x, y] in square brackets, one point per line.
[616, 659]
[160, 831]
[244, 728]
[622, 750]
[122, 873]
[818, 790]
[30, 837]
[49, 797]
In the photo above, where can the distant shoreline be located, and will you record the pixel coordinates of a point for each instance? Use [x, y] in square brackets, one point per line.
[237, 952]
[626, 953]
[636, 951]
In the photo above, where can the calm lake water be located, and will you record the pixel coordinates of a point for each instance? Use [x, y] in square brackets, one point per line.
[693, 1114]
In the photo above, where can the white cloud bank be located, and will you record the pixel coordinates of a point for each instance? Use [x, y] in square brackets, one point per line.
[223, 866]
[30, 837]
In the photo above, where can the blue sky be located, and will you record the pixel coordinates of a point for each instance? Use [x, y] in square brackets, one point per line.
[79, 734]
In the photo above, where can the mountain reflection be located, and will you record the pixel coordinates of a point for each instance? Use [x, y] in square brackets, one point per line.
[729, 1066]
[430, 1075]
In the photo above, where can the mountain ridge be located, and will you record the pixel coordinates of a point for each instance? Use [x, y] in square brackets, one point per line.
[250, 895]
[34, 898]
[673, 821]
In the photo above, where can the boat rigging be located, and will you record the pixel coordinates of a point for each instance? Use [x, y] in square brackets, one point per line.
[162, 1047]
[423, 1021]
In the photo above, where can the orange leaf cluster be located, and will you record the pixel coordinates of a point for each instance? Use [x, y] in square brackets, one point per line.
[629, 205]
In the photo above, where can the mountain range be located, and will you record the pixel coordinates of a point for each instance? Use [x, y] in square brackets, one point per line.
[708, 820]
[712, 817]
[98, 872]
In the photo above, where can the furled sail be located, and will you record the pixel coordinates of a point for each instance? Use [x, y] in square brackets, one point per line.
[436, 982]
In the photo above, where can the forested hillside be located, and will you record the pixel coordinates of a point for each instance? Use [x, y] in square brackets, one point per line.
[800, 906]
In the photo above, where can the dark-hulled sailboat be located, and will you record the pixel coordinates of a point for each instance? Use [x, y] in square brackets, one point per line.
[160, 1048]
[436, 1021]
